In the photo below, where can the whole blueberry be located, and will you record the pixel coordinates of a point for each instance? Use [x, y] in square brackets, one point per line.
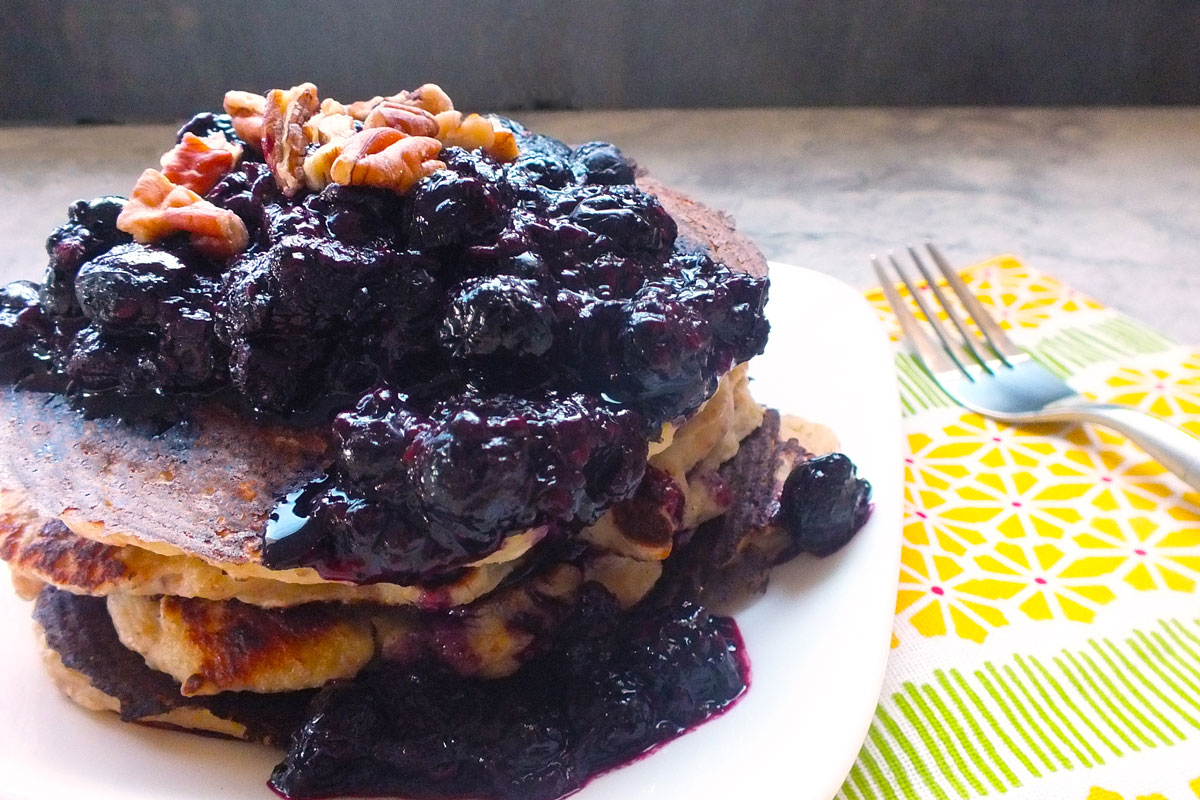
[22, 323]
[90, 231]
[634, 222]
[374, 437]
[603, 163]
[824, 503]
[462, 204]
[99, 216]
[127, 284]
[499, 315]
[207, 122]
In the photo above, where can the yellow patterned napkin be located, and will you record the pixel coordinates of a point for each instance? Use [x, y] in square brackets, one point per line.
[1047, 640]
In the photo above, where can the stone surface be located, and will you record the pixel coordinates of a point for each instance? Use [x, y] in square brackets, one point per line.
[1108, 200]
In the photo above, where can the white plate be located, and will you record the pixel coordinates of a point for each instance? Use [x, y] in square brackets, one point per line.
[818, 641]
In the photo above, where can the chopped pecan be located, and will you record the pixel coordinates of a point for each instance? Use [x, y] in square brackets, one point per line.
[329, 126]
[473, 131]
[247, 110]
[318, 164]
[330, 106]
[387, 158]
[429, 97]
[410, 119]
[360, 108]
[284, 141]
[158, 208]
[198, 163]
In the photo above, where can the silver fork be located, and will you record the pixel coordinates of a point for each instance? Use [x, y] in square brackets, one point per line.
[990, 375]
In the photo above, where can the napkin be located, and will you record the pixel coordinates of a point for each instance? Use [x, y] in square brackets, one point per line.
[1047, 633]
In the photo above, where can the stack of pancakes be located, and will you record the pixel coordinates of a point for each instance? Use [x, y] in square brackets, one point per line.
[144, 553]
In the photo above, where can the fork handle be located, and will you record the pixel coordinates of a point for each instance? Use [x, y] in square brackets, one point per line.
[1173, 447]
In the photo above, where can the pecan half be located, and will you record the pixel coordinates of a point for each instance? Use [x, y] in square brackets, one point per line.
[284, 141]
[247, 110]
[387, 158]
[198, 163]
[158, 208]
[410, 119]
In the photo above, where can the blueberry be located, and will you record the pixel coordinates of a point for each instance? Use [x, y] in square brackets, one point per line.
[358, 214]
[91, 231]
[540, 144]
[498, 316]
[324, 278]
[99, 216]
[275, 374]
[374, 438]
[462, 204]
[633, 221]
[127, 284]
[824, 503]
[207, 122]
[100, 361]
[246, 301]
[188, 349]
[603, 163]
[23, 324]
[541, 169]
[476, 473]
[247, 190]
[662, 349]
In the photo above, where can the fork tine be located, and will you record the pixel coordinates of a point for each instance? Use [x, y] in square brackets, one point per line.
[969, 339]
[997, 339]
[936, 359]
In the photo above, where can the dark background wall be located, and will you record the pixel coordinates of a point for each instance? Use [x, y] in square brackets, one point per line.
[141, 60]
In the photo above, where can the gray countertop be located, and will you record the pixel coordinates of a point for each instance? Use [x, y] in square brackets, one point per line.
[1108, 200]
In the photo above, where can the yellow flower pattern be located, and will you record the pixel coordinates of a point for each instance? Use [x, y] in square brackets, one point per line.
[1042, 523]
[1018, 296]
[1046, 607]
[1098, 793]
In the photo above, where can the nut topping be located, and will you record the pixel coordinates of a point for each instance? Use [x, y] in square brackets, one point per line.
[158, 208]
[247, 109]
[284, 140]
[329, 126]
[474, 131]
[429, 97]
[385, 157]
[309, 143]
[410, 119]
[198, 163]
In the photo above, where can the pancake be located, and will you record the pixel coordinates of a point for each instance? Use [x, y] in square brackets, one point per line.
[212, 647]
[48, 551]
[206, 487]
[87, 661]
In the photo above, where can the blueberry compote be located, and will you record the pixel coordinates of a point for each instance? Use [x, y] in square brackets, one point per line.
[612, 687]
[500, 343]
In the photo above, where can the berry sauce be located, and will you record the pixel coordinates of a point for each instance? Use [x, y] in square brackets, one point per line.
[613, 687]
[490, 351]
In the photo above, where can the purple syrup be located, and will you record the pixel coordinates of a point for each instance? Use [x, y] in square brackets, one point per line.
[611, 689]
